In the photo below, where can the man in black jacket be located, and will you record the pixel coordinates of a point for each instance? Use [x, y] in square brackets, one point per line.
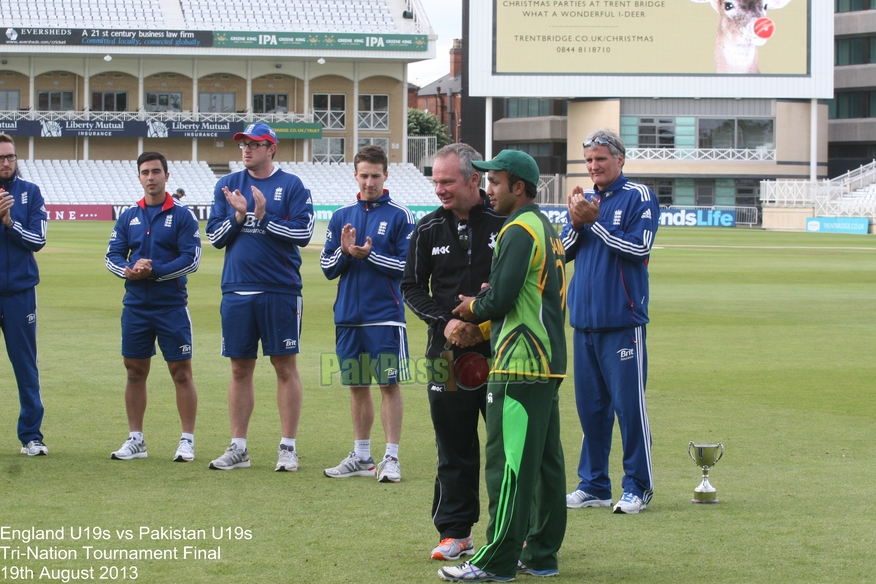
[450, 253]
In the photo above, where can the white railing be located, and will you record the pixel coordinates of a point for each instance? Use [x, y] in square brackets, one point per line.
[788, 193]
[373, 120]
[857, 178]
[419, 24]
[824, 197]
[708, 154]
[421, 151]
[850, 205]
[331, 120]
[551, 189]
[49, 116]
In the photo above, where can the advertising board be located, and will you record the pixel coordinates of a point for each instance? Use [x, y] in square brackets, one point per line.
[857, 225]
[651, 48]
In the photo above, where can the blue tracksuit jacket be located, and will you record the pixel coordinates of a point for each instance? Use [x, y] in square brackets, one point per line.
[609, 289]
[262, 256]
[171, 241]
[18, 267]
[18, 313]
[369, 289]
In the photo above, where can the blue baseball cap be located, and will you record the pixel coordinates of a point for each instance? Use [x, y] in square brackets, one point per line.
[258, 131]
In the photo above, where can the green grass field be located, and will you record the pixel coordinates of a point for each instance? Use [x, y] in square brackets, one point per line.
[761, 341]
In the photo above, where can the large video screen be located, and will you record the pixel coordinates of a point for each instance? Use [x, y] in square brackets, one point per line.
[657, 48]
[652, 36]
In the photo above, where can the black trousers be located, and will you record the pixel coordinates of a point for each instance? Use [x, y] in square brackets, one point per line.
[456, 505]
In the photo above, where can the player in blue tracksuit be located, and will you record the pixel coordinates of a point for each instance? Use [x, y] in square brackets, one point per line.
[261, 216]
[609, 236]
[23, 214]
[366, 247]
[153, 246]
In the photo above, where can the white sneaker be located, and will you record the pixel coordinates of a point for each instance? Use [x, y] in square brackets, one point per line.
[233, 458]
[630, 504]
[132, 448]
[185, 452]
[389, 470]
[35, 448]
[578, 499]
[352, 466]
[452, 548]
[468, 572]
[287, 460]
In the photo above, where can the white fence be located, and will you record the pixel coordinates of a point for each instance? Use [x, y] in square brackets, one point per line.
[421, 151]
[166, 116]
[551, 189]
[711, 154]
[850, 195]
[857, 178]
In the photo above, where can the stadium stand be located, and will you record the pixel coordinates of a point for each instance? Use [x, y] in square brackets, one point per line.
[333, 184]
[114, 182]
[47, 102]
[76, 13]
[289, 15]
[297, 15]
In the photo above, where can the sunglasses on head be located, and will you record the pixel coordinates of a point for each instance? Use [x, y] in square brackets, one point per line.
[601, 141]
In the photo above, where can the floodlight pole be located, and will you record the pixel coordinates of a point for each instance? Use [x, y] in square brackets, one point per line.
[488, 130]
[813, 140]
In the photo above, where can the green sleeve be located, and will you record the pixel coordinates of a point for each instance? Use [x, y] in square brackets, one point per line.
[510, 267]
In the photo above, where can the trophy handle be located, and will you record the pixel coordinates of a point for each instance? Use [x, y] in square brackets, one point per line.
[721, 446]
[690, 451]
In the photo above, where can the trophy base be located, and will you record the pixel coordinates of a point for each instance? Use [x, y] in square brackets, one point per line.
[705, 498]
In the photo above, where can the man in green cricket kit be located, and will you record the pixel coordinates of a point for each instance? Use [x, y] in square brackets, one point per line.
[526, 304]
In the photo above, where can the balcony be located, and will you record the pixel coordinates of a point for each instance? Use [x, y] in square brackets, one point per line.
[84, 116]
[761, 154]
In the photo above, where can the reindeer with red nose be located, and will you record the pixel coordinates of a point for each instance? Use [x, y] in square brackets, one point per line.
[742, 29]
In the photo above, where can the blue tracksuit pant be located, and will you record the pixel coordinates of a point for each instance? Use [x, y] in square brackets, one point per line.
[18, 321]
[610, 372]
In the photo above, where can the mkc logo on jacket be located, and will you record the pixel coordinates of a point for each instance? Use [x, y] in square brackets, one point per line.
[626, 354]
[278, 194]
[617, 217]
[381, 230]
[290, 343]
[168, 221]
[441, 250]
[24, 197]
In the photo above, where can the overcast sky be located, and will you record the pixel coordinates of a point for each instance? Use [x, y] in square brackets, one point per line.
[446, 19]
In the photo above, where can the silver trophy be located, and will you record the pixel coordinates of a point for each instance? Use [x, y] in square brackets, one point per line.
[705, 456]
